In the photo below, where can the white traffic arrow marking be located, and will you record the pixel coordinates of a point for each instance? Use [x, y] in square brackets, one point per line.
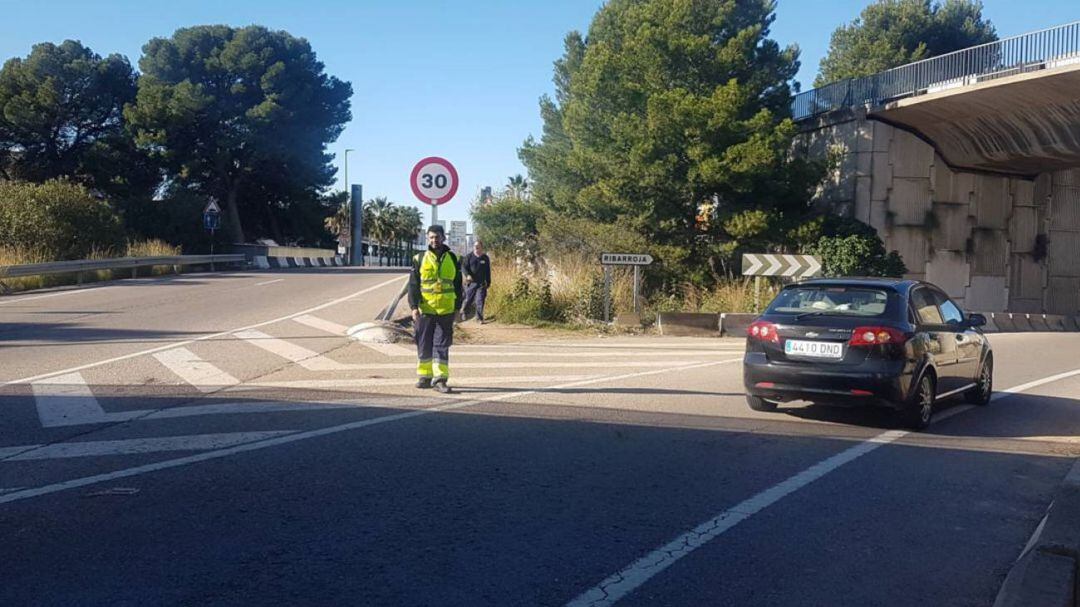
[198, 442]
[795, 266]
[755, 264]
[774, 265]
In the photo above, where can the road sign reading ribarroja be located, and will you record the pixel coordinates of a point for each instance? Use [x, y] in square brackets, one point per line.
[774, 264]
[434, 180]
[625, 259]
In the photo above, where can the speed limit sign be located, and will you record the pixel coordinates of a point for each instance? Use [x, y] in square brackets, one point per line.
[434, 180]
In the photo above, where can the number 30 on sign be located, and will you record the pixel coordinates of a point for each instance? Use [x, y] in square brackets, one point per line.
[434, 180]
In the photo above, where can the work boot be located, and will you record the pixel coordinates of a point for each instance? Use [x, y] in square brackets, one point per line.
[423, 383]
[440, 386]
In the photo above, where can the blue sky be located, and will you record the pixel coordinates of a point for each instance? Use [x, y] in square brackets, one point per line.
[459, 79]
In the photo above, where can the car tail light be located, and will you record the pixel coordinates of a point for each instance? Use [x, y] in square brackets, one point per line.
[876, 336]
[763, 331]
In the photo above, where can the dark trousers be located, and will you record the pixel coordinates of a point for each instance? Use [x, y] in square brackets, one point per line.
[475, 294]
[434, 334]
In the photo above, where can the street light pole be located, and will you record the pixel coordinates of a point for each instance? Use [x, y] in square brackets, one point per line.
[348, 205]
[347, 189]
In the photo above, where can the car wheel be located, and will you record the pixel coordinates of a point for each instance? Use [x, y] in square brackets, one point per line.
[919, 408]
[759, 404]
[984, 385]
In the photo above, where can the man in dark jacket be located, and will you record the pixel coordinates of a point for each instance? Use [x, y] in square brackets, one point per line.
[434, 298]
[477, 271]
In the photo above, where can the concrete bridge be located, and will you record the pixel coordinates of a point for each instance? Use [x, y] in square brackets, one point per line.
[968, 164]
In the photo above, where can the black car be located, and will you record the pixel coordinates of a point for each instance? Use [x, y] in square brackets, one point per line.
[901, 344]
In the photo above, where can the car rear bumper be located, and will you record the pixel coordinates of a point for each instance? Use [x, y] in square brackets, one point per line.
[881, 383]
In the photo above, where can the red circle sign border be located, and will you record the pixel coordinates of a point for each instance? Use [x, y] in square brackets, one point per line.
[416, 171]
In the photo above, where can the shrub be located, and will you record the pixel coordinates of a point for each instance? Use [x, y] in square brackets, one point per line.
[857, 255]
[60, 220]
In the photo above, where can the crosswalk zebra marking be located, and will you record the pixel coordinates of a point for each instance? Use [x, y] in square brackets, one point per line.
[68, 401]
[308, 359]
[323, 325]
[134, 446]
[189, 367]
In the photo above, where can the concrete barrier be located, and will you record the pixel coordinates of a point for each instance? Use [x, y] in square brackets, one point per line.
[1046, 572]
[1022, 323]
[734, 324]
[1003, 322]
[688, 324]
[1055, 322]
[1038, 322]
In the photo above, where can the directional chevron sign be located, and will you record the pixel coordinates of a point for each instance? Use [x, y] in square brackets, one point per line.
[769, 264]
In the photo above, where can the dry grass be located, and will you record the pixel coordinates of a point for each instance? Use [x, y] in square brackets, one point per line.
[12, 256]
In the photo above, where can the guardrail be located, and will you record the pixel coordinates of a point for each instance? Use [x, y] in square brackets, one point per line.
[88, 265]
[1044, 49]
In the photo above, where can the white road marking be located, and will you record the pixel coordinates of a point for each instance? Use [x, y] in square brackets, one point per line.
[317, 384]
[390, 349]
[68, 401]
[194, 370]
[269, 282]
[308, 359]
[5, 302]
[956, 391]
[612, 589]
[198, 442]
[323, 325]
[299, 436]
[26, 380]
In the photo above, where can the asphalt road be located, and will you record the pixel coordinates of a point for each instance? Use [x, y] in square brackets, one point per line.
[215, 440]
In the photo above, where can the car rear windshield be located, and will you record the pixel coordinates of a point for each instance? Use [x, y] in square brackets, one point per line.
[832, 301]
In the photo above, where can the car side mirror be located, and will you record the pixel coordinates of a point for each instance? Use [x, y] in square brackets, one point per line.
[976, 320]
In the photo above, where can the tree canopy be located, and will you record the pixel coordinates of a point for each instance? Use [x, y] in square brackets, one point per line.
[666, 106]
[61, 116]
[228, 110]
[890, 33]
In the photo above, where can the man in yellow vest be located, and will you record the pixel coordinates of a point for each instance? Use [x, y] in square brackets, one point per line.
[435, 296]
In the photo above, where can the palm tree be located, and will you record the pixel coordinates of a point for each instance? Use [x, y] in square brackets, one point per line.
[339, 223]
[518, 187]
[408, 221]
[379, 222]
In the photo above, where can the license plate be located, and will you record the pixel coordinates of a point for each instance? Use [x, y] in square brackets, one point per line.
[813, 349]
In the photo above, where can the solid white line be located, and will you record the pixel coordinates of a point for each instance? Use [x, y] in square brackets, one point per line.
[308, 359]
[198, 442]
[323, 325]
[194, 370]
[269, 282]
[59, 294]
[640, 571]
[316, 384]
[634, 575]
[299, 436]
[956, 391]
[99, 363]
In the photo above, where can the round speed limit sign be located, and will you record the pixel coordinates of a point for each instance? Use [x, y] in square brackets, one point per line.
[434, 180]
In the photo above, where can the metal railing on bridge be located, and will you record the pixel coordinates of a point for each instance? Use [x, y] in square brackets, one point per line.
[1045, 49]
[77, 267]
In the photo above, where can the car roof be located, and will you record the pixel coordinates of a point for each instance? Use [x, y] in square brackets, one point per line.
[895, 284]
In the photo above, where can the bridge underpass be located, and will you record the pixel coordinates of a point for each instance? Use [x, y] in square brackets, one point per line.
[974, 178]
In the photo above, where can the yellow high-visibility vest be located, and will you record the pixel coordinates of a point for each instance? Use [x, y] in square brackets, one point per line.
[437, 274]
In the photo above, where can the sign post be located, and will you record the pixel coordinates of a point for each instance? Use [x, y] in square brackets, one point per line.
[212, 221]
[434, 181]
[623, 259]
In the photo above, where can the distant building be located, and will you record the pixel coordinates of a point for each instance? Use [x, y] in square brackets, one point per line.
[457, 237]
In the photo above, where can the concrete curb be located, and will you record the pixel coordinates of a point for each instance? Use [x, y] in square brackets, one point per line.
[735, 324]
[379, 332]
[1046, 572]
[688, 324]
